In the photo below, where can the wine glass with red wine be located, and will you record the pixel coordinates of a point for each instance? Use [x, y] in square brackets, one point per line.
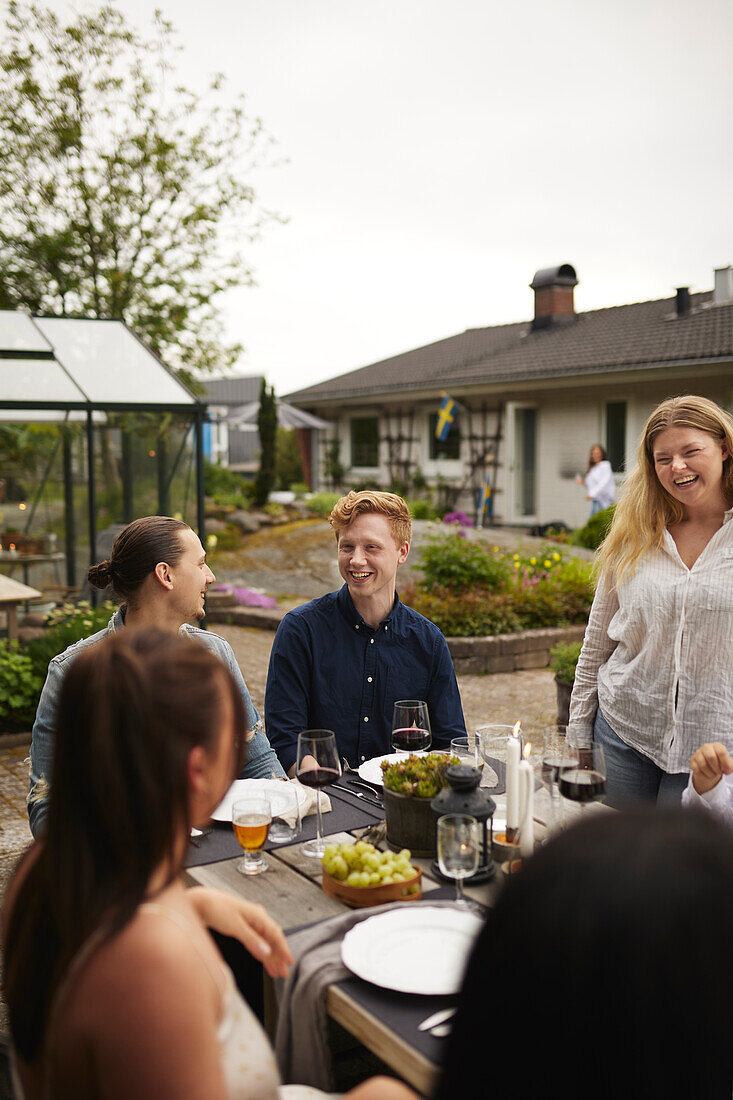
[317, 765]
[582, 778]
[410, 726]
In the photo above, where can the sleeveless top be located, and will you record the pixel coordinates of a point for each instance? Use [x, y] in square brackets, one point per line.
[248, 1061]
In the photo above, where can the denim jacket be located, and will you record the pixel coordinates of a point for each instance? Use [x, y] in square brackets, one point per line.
[262, 763]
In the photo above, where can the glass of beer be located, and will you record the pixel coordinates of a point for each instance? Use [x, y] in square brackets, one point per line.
[251, 819]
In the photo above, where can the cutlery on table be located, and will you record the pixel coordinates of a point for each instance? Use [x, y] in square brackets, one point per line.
[436, 1019]
[358, 794]
[348, 770]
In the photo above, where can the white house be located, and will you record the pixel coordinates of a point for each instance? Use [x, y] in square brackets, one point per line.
[533, 397]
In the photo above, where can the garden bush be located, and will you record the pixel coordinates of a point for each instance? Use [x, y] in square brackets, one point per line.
[452, 561]
[67, 624]
[422, 509]
[322, 504]
[20, 687]
[470, 614]
[472, 590]
[592, 535]
[563, 659]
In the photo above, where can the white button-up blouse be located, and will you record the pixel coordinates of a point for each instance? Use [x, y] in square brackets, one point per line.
[658, 655]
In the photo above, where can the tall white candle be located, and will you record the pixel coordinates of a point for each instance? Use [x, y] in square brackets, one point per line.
[512, 783]
[527, 787]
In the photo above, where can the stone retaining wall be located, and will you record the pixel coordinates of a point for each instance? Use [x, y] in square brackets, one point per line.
[509, 652]
[471, 656]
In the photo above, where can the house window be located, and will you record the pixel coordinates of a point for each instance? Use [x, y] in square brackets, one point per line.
[450, 447]
[365, 441]
[616, 435]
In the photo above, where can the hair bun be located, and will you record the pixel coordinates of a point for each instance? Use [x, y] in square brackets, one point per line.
[100, 576]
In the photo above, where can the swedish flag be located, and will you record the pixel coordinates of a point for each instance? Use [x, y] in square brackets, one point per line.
[446, 415]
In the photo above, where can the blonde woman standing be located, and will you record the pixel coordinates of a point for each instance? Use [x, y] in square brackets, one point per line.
[654, 678]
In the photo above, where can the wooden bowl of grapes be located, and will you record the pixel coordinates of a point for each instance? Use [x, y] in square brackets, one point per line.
[359, 875]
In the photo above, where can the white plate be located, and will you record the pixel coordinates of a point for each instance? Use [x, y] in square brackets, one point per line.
[371, 772]
[390, 950]
[241, 787]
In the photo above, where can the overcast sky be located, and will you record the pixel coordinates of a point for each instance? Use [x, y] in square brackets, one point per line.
[441, 151]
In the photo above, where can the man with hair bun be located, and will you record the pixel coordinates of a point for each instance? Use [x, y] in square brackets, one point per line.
[159, 574]
[341, 661]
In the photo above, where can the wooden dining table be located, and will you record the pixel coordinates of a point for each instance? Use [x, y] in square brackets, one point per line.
[291, 891]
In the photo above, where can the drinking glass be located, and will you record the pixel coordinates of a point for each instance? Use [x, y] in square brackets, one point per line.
[582, 779]
[491, 747]
[466, 753]
[410, 725]
[251, 822]
[458, 849]
[286, 821]
[317, 765]
[557, 755]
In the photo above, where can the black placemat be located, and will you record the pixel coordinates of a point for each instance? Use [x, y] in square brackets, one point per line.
[347, 812]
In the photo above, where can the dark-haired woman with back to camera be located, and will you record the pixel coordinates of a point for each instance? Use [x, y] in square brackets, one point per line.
[604, 969]
[114, 989]
[159, 574]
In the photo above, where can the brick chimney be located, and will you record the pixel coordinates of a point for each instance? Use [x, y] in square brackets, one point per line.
[553, 296]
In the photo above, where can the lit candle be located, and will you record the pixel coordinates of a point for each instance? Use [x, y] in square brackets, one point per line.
[512, 786]
[526, 785]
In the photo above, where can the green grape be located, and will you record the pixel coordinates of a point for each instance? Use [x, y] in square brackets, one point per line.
[340, 868]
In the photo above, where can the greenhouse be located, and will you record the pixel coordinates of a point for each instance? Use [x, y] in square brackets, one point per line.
[94, 431]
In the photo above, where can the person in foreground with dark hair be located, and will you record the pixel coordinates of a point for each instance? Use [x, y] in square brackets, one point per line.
[114, 989]
[158, 571]
[604, 969]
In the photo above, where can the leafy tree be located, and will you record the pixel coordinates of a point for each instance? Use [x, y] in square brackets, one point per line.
[288, 465]
[267, 428]
[132, 188]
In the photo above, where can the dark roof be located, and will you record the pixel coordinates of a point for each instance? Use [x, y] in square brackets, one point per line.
[233, 391]
[621, 338]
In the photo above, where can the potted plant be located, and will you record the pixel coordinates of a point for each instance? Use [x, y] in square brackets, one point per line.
[410, 785]
[563, 659]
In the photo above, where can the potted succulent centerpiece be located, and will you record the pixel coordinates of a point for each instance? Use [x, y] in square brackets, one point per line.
[563, 659]
[410, 785]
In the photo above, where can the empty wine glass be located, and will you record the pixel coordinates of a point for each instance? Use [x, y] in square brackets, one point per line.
[458, 849]
[410, 725]
[317, 765]
[251, 819]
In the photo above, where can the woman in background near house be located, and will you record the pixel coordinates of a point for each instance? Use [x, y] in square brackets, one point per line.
[598, 481]
[654, 679]
[114, 988]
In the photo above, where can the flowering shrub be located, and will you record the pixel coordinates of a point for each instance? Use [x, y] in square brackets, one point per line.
[452, 562]
[459, 518]
[472, 590]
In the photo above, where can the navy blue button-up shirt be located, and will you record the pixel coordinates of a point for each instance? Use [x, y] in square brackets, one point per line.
[331, 670]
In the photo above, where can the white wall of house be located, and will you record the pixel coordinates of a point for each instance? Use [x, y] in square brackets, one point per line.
[568, 422]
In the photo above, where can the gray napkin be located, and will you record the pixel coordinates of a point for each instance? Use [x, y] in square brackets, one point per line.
[301, 1039]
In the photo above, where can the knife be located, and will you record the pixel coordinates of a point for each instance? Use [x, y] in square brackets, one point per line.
[437, 1018]
[358, 794]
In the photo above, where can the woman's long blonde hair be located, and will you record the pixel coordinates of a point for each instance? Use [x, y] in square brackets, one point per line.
[646, 508]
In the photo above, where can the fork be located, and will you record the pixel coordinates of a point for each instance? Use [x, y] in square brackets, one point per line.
[348, 770]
